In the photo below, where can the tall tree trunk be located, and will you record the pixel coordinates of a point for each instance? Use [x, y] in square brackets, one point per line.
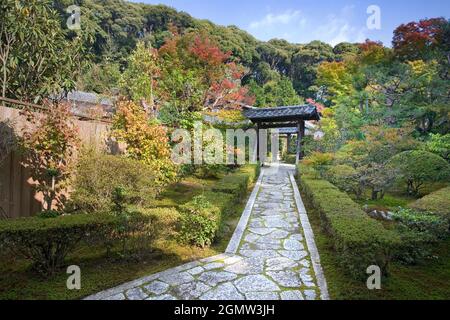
[374, 194]
[410, 189]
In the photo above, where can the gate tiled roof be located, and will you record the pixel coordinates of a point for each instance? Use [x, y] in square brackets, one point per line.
[289, 113]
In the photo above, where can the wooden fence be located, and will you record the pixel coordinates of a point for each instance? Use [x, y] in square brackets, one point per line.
[17, 195]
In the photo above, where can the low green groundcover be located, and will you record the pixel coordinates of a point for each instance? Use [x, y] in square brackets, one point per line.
[437, 202]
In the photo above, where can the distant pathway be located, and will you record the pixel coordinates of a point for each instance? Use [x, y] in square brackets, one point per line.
[271, 256]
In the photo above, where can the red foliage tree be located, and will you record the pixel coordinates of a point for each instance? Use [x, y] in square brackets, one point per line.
[227, 92]
[370, 45]
[411, 41]
[208, 52]
[196, 55]
[320, 107]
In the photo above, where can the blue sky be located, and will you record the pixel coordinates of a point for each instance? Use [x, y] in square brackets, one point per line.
[301, 21]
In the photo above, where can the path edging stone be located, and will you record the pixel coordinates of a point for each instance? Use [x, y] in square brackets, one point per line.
[309, 237]
[236, 239]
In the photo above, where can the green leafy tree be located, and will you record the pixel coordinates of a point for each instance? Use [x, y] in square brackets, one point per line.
[263, 74]
[345, 51]
[419, 167]
[101, 78]
[346, 178]
[139, 79]
[377, 177]
[36, 58]
[276, 54]
[275, 94]
[304, 66]
[440, 145]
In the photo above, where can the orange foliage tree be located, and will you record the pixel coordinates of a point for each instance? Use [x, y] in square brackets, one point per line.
[146, 140]
[50, 142]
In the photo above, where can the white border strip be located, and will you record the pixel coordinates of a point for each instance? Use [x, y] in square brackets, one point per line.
[309, 236]
[235, 241]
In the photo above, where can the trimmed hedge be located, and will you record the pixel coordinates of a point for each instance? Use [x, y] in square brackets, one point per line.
[419, 233]
[437, 202]
[46, 242]
[359, 240]
[238, 182]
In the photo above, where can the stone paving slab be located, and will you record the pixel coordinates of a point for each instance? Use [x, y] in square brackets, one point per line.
[271, 256]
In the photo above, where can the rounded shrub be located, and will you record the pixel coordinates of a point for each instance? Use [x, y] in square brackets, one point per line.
[98, 175]
[200, 221]
[319, 161]
[346, 179]
[419, 167]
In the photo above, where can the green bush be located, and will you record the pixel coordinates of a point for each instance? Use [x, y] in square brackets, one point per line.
[134, 231]
[419, 167]
[167, 221]
[429, 222]
[47, 214]
[210, 171]
[99, 175]
[359, 240]
[238, 182]
[225, 202]
[440, 145]
[46, 242]
[200, 222]
[414, 246]
[201, 219]
[346, 178]
[436, 202]
[290, 158]
[319, 161]
[419, 232]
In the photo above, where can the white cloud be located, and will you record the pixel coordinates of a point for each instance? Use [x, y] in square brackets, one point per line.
[338, 28]
[295, 26]
[284, 18]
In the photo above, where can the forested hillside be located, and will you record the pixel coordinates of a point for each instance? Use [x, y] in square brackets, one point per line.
[375, 81]
[112, 28]
[364, 83]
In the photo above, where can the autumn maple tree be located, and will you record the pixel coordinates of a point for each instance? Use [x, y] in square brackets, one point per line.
[50, 142]
[412, 40]
[146, 140]
[196, 75]
[320, 107]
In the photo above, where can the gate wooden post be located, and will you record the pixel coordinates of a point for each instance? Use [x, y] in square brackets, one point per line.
[299, 141]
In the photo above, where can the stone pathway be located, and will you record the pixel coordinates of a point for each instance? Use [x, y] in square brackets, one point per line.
[271, 256]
